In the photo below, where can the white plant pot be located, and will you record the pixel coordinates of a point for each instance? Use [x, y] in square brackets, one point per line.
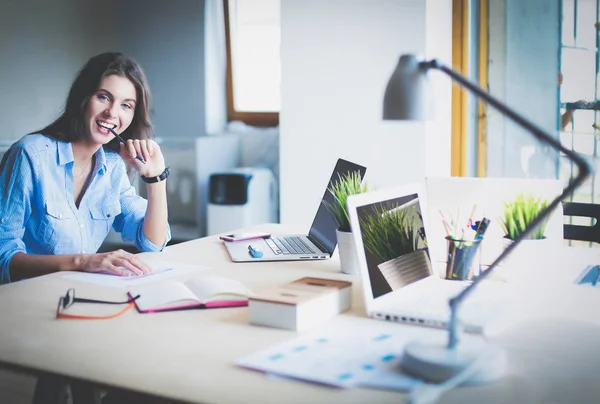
[521, 264]
[406, 269]
[347, 253]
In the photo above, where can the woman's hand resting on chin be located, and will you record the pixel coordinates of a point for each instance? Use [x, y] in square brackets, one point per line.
[149, 151]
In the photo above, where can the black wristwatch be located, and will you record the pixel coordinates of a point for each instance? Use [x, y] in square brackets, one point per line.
[163, 176]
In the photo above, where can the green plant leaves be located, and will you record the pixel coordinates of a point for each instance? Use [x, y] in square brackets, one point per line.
[388, 234]
[348, 184]
[519, 213]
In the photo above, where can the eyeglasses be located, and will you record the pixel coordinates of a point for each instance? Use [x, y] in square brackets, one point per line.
[69, 298]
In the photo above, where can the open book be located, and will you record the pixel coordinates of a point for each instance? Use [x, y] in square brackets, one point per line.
[204, 291]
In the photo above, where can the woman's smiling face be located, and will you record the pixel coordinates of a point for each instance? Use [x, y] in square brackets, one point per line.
[111, 106]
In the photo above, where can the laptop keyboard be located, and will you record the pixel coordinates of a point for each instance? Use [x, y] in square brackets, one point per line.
[290, 245]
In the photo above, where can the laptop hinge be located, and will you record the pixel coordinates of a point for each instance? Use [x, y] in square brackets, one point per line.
[319, 245]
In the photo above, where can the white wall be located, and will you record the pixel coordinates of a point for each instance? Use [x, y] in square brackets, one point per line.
[167, 39]
[44, 43]
[438, 130]
[336, 57]
[215, 62]
[42, 46]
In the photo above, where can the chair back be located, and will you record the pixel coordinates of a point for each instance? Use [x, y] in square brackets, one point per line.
[582, 232]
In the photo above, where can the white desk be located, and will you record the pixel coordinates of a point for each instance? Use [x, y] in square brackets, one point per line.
[189, 355]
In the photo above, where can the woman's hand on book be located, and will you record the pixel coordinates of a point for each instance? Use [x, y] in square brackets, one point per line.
[117, 262]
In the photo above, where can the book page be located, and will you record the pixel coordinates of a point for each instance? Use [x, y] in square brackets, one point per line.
[209, 288]
[167, 294]
[161, 270]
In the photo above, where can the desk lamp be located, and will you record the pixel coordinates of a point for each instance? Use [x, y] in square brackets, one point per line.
[406, 98]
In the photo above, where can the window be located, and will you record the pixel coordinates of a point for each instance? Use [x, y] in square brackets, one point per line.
[580, 82]
[522, 71]
[538, 57]
[253, 66]
[580, 73]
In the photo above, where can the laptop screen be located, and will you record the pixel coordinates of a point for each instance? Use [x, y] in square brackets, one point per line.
[324, 226]
[394, 242]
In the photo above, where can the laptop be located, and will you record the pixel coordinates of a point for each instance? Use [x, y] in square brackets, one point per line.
[400, 284]
[320, 242]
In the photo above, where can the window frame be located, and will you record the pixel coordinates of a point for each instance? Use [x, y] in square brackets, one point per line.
[259, 119]
[463, 53]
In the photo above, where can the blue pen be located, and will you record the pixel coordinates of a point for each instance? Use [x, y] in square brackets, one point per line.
[483, 225]
[137, 156]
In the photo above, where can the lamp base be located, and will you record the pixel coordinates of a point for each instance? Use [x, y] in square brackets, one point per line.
[436, 363]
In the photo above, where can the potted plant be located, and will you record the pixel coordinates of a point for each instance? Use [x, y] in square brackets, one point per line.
[397, 240]
[348, 184]
[518, 214]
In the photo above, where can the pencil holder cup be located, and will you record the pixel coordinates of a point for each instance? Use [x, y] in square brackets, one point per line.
[463, 259]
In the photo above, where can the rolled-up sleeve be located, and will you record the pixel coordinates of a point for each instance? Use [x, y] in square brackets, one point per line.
[16, 180]
[130, 222]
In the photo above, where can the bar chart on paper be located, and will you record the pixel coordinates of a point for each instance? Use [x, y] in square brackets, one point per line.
[354, 354]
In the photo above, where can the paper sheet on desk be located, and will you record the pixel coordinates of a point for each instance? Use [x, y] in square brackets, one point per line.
[162, 269]
[356, 353]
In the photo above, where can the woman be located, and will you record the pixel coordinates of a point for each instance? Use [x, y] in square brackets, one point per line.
[64, 187]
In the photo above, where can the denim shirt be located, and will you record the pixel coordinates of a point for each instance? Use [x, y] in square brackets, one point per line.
[38, 214]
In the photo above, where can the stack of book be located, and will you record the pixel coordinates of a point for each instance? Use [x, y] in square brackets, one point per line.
[300, 304]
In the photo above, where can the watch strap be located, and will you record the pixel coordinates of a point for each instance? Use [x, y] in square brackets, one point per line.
[163, 176]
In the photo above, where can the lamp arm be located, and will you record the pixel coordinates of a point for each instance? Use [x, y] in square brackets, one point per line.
[584, 170]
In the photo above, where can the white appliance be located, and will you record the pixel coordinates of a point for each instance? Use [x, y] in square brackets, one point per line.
[241, 197]
[192, 160]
